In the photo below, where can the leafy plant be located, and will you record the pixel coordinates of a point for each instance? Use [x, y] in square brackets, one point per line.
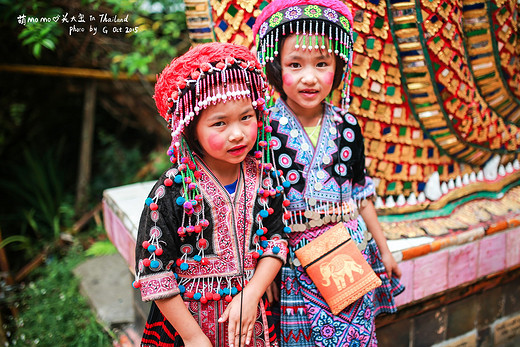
[54, 313]
[160, 37]
[158, 29]
[100, 248]
[35, 186]
[116, 164]
[36, 34]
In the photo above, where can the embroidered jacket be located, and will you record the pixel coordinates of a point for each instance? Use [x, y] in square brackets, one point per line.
[208, 262]
[325, 178]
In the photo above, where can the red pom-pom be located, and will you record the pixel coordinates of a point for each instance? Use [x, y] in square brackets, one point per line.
[197, 229]
[216, 296]
[287, 215]
[153, 206]
[168, 182]
[197, 174]
[146, 244]
[286, 203]
[189, 294]
[228, 298]
[202, 242]
[203, 300]
[178, 262]
[270, 210]
[256, 255]
[209, 296]
[159, 251]
[204, 261]
[136, 284]
[146, 262]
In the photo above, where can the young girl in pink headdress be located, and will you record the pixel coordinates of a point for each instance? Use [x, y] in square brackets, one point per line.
[209, 240]
[306, 48]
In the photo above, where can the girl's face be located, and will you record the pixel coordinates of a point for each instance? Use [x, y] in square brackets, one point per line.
[307, 76]
[227, 132]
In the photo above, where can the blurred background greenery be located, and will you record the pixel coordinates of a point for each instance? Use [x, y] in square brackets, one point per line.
[45, 227]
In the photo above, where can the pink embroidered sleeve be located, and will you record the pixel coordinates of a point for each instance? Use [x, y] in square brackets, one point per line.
[159, 286]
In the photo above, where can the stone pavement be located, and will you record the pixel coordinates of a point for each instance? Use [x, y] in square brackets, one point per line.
[106, 282]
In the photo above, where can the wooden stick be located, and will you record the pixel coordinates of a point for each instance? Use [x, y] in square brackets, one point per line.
[86, 217]
[27, 269]
[73, 72]
[87, 136]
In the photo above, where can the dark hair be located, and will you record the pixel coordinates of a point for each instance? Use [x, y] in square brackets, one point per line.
[190, 136]
[273, 71]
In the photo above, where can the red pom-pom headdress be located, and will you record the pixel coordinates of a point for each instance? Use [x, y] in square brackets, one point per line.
[205, 75]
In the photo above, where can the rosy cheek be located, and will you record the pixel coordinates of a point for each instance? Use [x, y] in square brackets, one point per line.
[329, 77]
[288, 80]
[253, 133]
[215, 142]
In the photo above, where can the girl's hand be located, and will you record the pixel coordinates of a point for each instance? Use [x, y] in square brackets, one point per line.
[273, 293]
[232, 312]
[199, 340]
[391, 267]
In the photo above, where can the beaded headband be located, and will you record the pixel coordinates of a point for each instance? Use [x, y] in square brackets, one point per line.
[317, 24]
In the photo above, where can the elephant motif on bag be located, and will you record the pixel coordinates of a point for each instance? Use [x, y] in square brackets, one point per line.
[337, 269]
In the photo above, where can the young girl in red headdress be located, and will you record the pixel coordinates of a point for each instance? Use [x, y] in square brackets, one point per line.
[209, 240]
[306, 48]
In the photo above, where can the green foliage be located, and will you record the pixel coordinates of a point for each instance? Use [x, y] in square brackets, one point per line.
[42, 208]
[100, 248]
[35, 34]
[161, 163]
[160, 37]
[160, 29]
[116, 164]
[39, 34]
[54, 313]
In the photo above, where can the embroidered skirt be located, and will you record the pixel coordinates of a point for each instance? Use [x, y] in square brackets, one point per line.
[159, 332]
[306, 319]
